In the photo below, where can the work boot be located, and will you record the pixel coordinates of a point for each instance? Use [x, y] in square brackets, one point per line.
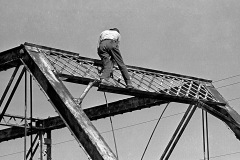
[129, 86]
[105, 82]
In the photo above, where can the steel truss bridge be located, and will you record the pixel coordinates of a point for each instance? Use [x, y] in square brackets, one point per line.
[49, 67]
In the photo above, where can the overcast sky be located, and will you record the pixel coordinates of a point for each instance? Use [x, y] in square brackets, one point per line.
[192, 37]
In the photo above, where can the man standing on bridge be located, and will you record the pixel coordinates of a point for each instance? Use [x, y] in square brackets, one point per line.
[108, 51]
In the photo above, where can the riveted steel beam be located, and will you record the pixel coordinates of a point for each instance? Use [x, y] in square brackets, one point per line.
[71, 113]
[93, 113]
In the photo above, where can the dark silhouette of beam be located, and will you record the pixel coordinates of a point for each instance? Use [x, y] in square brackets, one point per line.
[94, 113]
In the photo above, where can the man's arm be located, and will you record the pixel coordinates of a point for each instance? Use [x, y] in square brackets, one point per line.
[119, 39]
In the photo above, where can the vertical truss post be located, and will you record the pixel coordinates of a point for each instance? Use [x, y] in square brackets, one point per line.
[41, 145]
[205, 135]
[48, 142]
[178, 132]
[204, 145]
[31, 112]
[25, 116]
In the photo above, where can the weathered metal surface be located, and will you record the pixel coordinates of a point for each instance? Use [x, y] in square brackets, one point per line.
[227, 114]
[149, 83]
[159, 96]
[121, 106]
[12, 94]
[133, 92]
[15, 132]
[85, 92]
[69, 65]
[94, 113]
[143, 79]
[16, 120]
[178, 132]
[8, 86]
[230, 110]
[9, 58]
[73, 116]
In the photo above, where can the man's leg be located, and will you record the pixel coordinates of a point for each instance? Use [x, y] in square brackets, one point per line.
[107, 65]
[115, 53]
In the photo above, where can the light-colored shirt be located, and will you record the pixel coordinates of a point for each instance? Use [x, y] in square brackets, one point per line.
[109, 34]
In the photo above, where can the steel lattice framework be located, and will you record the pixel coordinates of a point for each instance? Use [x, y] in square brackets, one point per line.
[143, 79]
[50, 67]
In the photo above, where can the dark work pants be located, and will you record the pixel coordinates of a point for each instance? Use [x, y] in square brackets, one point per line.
[109, 53]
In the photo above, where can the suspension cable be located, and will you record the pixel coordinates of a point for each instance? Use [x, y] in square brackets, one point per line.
[154, 129]
[111, 125]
